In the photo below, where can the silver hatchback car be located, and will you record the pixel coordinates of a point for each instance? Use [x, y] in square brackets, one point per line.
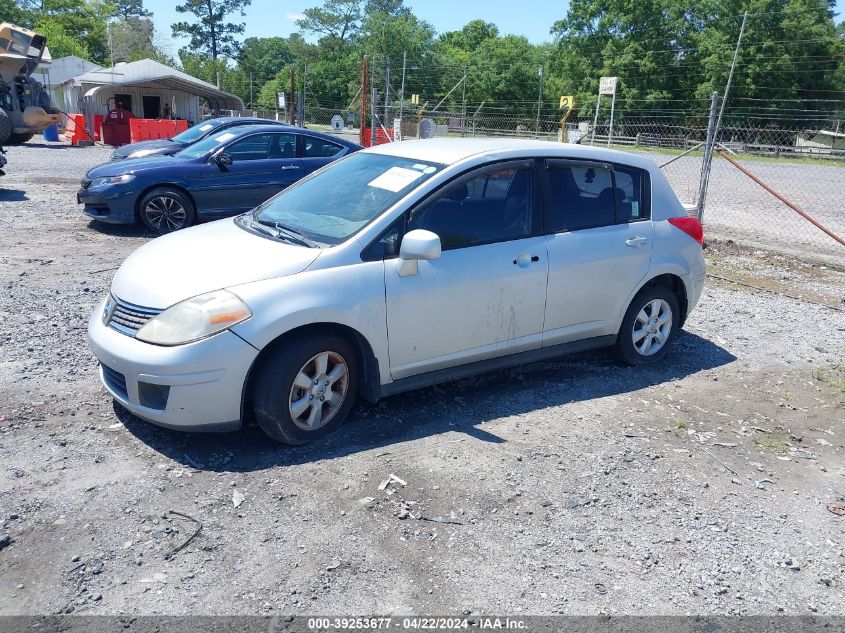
[398, 267]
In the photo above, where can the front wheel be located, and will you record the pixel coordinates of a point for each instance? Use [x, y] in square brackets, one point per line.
[306, 387]
[166, 210]
[650, 324]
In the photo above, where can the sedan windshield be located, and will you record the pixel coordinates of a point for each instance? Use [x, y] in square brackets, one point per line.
[203, 147]
[196, 132]
[338, 201]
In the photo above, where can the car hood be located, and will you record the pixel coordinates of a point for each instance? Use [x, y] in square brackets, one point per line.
[132, 166]
[163, 145]
[208, 257]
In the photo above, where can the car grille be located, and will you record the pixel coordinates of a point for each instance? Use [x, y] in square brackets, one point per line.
[128, 318]
[85, 182]
[115, 380]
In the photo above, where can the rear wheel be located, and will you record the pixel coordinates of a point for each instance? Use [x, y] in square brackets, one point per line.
[19, 139]
[166, 210]
[650, 324]
[5, 127]
[306, 388]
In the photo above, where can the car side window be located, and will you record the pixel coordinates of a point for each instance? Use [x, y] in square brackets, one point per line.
[580, 196]
[282, 146]
[491, 205]
[255, 147]
[319, 148]
[631, 194]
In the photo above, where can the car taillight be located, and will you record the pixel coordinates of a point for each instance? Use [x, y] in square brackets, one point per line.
[690, 226]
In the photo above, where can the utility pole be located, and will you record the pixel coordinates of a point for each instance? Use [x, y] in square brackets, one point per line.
[708, 154]
[540, 98]
[293, 95]
[251, 99]
[373, 118]
[364, 93]
[386, 90]
[731, 74]
[402, 95]
[464, 105]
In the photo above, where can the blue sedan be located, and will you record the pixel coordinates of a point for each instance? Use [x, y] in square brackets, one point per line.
[227, 173]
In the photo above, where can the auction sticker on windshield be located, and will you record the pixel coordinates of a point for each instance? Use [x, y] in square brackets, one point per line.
[395, 179]
[222, 138]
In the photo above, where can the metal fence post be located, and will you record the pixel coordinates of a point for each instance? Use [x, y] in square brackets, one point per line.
[708, 155]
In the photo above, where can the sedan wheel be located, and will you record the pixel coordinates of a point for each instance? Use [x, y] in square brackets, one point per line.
[165, 214]
[165, 210]
[318, 391]
[652, 327]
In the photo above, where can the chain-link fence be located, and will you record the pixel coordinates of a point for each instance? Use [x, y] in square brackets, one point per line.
[804, 165]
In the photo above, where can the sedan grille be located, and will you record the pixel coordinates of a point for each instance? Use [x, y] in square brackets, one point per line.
[128, 318]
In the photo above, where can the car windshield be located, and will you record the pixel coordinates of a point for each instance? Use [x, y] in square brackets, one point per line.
[196, 132]
[336, 202]
[203, 147]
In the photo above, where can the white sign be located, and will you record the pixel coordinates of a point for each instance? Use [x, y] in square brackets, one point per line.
[280, 100]
[397, 129]
[337, 123]
[395, 179]
[607, 85]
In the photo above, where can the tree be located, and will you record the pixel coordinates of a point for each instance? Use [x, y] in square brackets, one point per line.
[79, 20]
[211, 35]
[131, 39]
[393, 8]
[336, 20]
[263, 57]
[128, 9]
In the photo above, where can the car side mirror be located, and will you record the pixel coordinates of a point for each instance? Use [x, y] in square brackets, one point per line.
[223, 159]
[416, 245]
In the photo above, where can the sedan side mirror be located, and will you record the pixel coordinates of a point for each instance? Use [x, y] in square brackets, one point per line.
[416, 245]
[223, 159]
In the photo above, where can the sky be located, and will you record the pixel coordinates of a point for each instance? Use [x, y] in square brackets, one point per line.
[268, 18]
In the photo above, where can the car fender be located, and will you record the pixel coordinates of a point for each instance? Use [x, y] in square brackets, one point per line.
[351, 296]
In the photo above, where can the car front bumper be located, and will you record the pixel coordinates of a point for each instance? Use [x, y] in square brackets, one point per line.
[192, 387]
[114, 205]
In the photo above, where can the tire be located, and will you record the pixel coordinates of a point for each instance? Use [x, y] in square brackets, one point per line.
[655, 309]
[19, 139]
[165, 210]
[285, 408]
[5, 127]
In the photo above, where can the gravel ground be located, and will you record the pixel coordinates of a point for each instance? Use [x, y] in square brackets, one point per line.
[698, 486]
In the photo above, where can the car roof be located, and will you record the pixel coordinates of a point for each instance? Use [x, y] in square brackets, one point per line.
[448, 151]
[248, 120]
[241, 129]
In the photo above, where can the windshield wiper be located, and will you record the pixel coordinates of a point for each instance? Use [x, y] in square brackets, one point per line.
[287, 233]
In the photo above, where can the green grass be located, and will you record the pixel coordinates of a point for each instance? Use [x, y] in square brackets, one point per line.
[773, 441]
[833, 376]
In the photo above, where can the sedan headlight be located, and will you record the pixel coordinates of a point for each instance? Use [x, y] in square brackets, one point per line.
[195, 319]
[112, 180]
[142, 152]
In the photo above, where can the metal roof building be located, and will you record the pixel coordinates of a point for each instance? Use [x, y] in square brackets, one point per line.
[145, 87]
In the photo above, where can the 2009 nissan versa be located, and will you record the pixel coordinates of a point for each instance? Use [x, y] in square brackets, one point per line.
[394, 268]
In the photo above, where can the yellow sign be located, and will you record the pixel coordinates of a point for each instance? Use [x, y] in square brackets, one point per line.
[567, 102]
[415, 99]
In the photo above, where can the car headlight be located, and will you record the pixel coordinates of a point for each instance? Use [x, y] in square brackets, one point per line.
[142, 152]
[112, 180]
[195, 319]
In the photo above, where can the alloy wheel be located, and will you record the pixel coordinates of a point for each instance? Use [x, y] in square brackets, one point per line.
[318, 390]
[165, 214]
[652, 327]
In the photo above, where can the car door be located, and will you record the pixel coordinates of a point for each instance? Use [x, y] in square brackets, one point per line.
[286, 167]
[317, 152]
[599, 245]
[247, 182]
[484, 296]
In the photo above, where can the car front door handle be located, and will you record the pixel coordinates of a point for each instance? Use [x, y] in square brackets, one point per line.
[636, 241]
[525, 259]
[287, 167]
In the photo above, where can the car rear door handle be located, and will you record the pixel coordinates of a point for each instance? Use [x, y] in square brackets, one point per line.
[636, 241]
[286, 167]
[525, 259]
